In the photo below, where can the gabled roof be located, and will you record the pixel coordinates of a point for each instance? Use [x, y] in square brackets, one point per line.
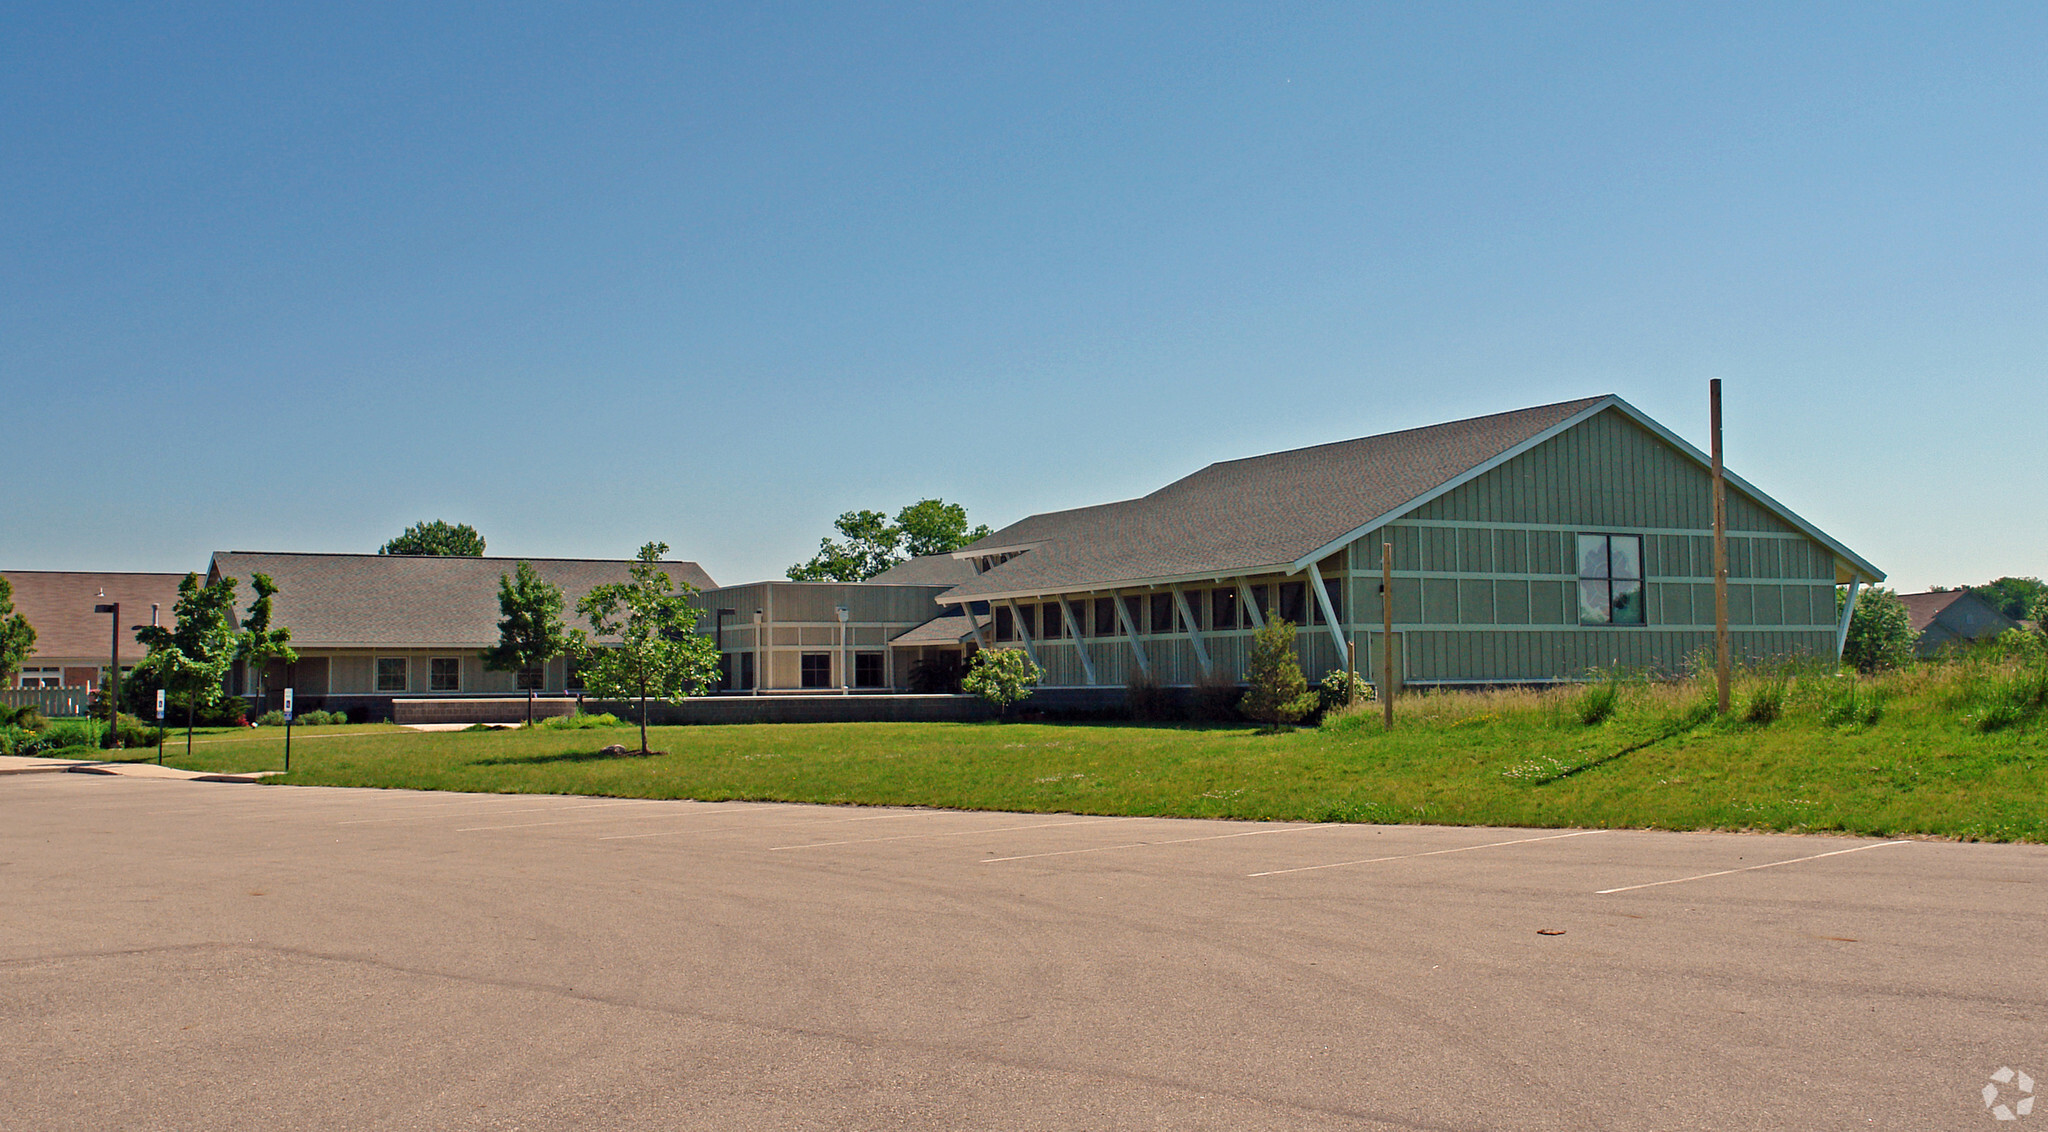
[412, 601]
[949, 629]
[1286, 510]
[58, 605]
[1923, 610]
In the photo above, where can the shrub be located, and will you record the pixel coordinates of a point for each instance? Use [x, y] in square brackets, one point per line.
[1215, 699]
[74, 733]
[1002, 677]
[27, 717]
[19, 740]
[1880, 631]
[132, 732]
[1149, 700]
[324, 718]
[578, 721]
[1279, 693]
[1765, 703]
[272, 719]
[1340, 689]
[1597, 702]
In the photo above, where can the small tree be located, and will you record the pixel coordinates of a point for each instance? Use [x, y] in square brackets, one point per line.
[659, 654]
[190, 662]
[259, 644]
[1880, 631]
[530, 633]
[1002, 677]
[451, 540]
[17, 636]
[1279, 693]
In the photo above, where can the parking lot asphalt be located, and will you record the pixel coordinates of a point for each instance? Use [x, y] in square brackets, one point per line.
[206, 955]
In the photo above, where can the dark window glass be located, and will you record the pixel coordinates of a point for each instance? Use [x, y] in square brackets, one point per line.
[531, 678]
[1135, 607]
[725, 671]
[867, 669]
[746, 671]
[1006, 629]
[1052, 625]
[1335, 588]
[391, 674]
[1105, 617]
[1610, 579]
[1223, 609]
[817, 669]
[572, 675]
[1263, 595]
[1294, 601]
[1162, 613]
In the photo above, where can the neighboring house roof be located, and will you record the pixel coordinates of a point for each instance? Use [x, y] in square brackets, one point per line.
[930, 570]
[1284, 510]
[950, 629]
[1949, 615]
[58, 605]
[412, 601]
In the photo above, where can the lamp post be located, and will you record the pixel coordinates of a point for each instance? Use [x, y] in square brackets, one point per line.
[759, 663]
[845, 676]
[113, 681]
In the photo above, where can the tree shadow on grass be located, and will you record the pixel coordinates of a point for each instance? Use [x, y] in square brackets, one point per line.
[566, 757]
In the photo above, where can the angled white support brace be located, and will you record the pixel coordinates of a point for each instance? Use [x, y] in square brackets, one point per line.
[1251, 604]
[1123, 613]
[1187, 617]
[1080, 645]
[1023, 634]
[973, 626]
[1848, 611]
[1315, 574]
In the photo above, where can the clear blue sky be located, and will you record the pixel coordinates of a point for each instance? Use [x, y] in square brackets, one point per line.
[589, 275]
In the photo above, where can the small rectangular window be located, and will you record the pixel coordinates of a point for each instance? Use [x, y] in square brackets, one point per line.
[867, 670]
[747, 670]
[1105, 617]
[1052, 626]
[817, 669]
[1135, 608]
[1610, 579]
[391, 674]
[1263, 596]
[725, 671]
[1162, 613]
[444, 674]
[1027, 620]
[572, 675]
[1223, 609]
[532, 678]
[1006, 627]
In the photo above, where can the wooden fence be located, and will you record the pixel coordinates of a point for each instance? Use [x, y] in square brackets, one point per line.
[52, 702]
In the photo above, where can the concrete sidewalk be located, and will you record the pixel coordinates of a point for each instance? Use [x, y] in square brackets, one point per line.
[30, 764]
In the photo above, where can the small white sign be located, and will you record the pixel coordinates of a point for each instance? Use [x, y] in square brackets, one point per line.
[287, 705]
[159, 705]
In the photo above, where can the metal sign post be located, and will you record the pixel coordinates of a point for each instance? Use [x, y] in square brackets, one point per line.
[287, 730]
[159, 727]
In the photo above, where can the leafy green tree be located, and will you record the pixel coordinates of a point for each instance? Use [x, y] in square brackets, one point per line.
[658, 654]
[259, 643]
[2039, 614]
[17, 636]
[1002, 677]
[451, 540]
[1880, 631]
[874, 542]
[192, 661]
[2014, 597]
[1279, 693]
[530, 634]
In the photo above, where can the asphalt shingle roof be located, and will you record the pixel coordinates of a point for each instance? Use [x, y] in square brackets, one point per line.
[407, 601]
[930, 570]
[1246, 514]
[58, 605]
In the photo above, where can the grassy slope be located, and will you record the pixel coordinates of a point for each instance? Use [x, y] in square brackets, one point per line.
[1504, 759]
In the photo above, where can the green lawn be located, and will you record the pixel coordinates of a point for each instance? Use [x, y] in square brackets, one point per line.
[1924, 766]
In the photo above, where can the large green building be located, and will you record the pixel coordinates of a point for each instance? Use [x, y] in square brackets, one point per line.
[1528, 546]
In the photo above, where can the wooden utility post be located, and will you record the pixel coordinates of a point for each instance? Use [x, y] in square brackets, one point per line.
[1723, 662]
[1350, 671]
[1387, 633]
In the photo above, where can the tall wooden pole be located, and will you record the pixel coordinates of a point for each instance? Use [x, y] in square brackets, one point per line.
[1723, 661]
[1387, 633]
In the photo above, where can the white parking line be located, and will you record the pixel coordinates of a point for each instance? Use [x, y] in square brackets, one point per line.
[955, 833]
[1431, 853]
[1748, 868]
[1143, 844]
